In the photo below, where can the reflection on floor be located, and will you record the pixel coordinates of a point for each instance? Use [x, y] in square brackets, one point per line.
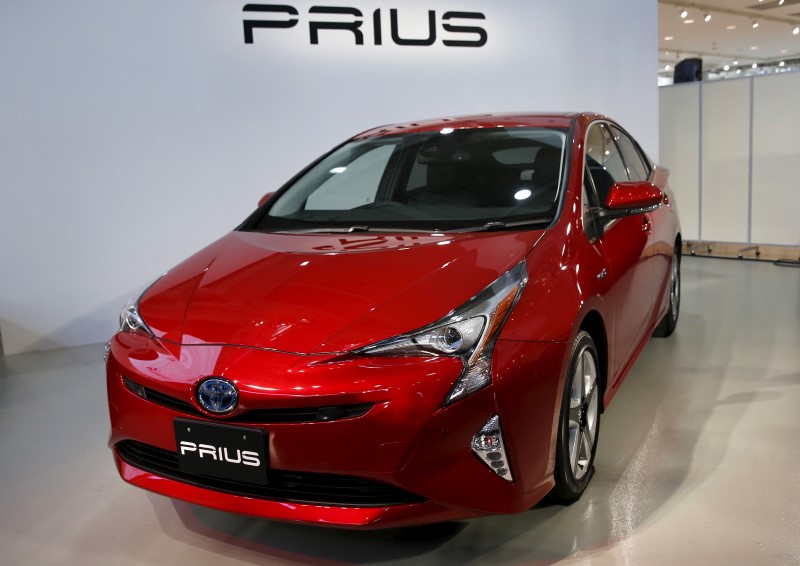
[699, 462]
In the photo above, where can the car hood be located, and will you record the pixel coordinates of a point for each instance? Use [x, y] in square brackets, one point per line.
[319, 293]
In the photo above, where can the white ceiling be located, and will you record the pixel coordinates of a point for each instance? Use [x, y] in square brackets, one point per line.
[729, 35]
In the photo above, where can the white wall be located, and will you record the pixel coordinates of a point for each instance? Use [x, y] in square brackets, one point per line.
[679, 142]
[134, 132]
[733, 150]
[776, 159]
[725, 160]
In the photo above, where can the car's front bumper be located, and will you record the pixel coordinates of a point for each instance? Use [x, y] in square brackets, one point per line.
[412, 456]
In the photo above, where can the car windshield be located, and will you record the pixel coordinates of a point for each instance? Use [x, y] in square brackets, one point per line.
[483, 178]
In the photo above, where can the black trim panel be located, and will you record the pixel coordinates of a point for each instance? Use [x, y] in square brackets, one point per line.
[286, 415]
[299, 487]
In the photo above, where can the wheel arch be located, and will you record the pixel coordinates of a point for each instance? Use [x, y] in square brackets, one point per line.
[593, 324]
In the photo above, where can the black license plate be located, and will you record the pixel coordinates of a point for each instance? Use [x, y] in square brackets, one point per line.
[221, 451]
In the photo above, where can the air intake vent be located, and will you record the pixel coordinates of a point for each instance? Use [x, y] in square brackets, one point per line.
[299, 487]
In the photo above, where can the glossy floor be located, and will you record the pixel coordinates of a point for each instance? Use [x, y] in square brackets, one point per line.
[699, 462]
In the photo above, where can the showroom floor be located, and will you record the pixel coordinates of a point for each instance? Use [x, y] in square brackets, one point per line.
[699, 462]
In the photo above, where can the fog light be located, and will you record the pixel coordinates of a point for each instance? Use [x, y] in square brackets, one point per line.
[489, 446]
[135, 387]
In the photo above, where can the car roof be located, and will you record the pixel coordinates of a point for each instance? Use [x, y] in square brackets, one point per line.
[511, 120]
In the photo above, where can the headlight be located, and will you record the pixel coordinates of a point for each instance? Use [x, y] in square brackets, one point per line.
[469, 332]
[131, 321]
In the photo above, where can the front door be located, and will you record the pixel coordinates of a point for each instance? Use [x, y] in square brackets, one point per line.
[626, 244]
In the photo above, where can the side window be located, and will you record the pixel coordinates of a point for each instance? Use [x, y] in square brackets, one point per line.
[352, 186]
[604, 160]
[637, 169]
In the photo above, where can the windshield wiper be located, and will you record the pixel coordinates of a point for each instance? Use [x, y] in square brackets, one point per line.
[497, 225]
[351, 229]
[320, 230]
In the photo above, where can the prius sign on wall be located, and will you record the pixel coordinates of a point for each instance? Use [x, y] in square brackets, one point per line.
[405, 28]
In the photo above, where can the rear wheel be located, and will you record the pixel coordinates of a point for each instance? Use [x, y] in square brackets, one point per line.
[579, 423]
[670, 320]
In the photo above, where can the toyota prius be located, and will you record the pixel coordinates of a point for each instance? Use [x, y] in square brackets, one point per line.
[425, 324]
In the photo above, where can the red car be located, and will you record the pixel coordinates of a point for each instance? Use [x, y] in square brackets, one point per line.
[423, 325]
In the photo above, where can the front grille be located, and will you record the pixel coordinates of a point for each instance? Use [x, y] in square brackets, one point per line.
[170, 402]
[306, 414]
[290, 415]
[298, 487]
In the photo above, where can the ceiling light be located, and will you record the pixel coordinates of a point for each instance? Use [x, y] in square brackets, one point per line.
[754, 48]
[755, 24]
[736, 62]
[726, 68]
[666, 67]
[730, 27]
[754, 65]
[780, 2]
[707, 17]
[796, 30]
[738, 71]
[668, 38]
[688, 21]
[781, 64]
[684, 13]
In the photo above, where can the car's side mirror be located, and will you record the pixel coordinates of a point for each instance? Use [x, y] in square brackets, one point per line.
[633, 195]
[626, 198]
[265, 198]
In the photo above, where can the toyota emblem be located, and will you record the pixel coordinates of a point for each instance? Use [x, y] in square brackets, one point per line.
[217, 395]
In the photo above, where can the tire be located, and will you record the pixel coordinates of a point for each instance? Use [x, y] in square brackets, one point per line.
[670, 320]
[579, 423]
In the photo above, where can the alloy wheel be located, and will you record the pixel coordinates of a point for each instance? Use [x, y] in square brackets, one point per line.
[583, 413]
[675, 288]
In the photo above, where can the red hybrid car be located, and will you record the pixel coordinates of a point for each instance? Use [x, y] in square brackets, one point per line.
[423, 325]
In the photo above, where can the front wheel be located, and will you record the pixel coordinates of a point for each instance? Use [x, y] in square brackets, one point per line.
[579, 423]
[670, 320]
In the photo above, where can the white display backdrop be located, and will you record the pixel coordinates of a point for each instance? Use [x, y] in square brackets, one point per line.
[679, 144]
[739, 159]
[134, 132]
[725, 159]
[776, 160]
